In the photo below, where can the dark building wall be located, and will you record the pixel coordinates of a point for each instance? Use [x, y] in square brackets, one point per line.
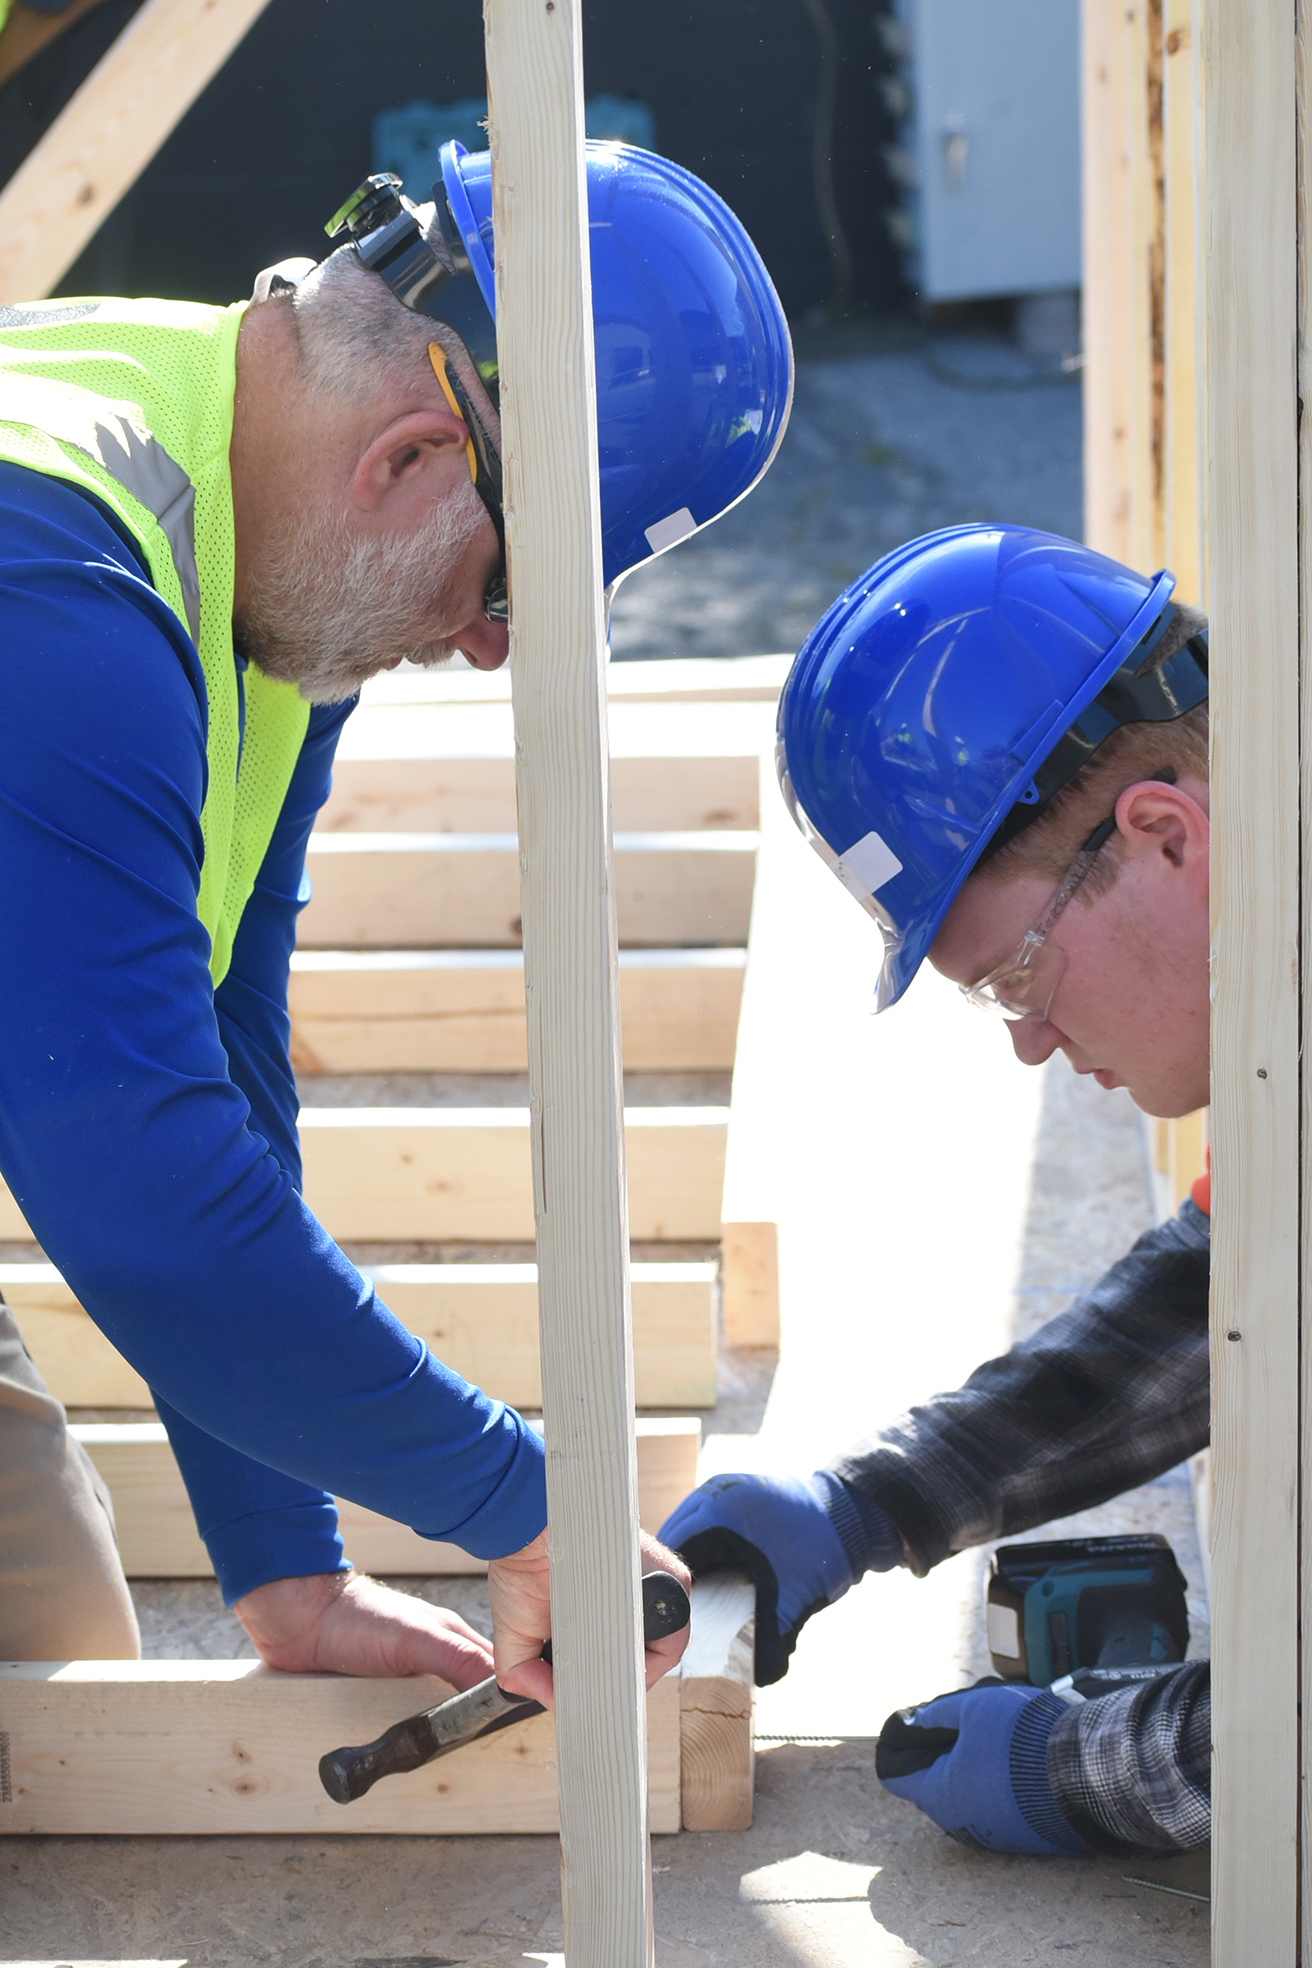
[283, 133]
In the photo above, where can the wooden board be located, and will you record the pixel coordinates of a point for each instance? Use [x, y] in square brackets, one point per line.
[1255, 103]
[659, 680]
[1121, 235]
[184, 1747]
[407, 890]
[717, 1696]
[480, 1319]
[191, 1747]
[440, 1174]
[105, 137]
[570, 879]
[759, 1101]
[464, 1174]
[462, 1011]
[1184, 521]
[157, 1533]
[652, 794]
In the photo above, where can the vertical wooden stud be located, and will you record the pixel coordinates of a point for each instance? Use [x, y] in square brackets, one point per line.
[558, 654]
[1184, 524]
[1122, 294]
[1251, 78]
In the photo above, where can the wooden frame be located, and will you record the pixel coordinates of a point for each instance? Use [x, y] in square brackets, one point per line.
[104, 138]
[228, 1747]
[557, 664]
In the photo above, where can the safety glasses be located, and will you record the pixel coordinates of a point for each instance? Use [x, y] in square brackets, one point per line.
[1024, 986]
[484, 470]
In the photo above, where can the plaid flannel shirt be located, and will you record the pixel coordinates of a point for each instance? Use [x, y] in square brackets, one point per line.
[1108, 1395]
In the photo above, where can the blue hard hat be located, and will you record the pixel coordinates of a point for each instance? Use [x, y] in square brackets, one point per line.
[944, 698]
[694, 362]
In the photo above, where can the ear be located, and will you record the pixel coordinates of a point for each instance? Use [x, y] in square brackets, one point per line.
[422, 451]
[1163, 824]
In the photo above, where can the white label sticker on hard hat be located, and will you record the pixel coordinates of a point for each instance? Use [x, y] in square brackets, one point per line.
[1004, 1631]
[668, 532]
[867, 865]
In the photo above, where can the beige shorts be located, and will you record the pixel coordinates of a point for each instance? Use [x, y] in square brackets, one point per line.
[63, 1595]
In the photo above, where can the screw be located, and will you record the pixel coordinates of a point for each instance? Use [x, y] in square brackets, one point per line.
[1234, 1335]
[1261, 1072]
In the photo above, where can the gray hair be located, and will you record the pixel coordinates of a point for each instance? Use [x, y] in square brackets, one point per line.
[355, 337]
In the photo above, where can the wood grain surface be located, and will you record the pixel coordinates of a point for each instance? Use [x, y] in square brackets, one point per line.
[411, 890]
[462, 1011]
[1252, 252]
[229, 1747]
[558, 682]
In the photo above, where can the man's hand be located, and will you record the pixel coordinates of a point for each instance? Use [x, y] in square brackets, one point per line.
[976, 1763]
[520, 1589]
[780, 1529]
[343, 1623]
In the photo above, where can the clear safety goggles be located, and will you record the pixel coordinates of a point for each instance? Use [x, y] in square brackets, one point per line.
[1024, 986]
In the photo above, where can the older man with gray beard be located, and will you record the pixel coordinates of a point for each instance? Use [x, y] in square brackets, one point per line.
[214, 526]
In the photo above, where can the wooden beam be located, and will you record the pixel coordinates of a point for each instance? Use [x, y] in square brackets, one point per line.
[464, 1174]
[104, 138]
[685, 793]
[158, 1539]
[399, 891]
[1255, 102]
[180, 1747]
[480, 1319]
[448, 1173]
[462, 1011]
[717, 1695]
[759, 1104]
[662, 680]
[227, 1747]
[1184, 522]
[569, 876]
[1121, 285]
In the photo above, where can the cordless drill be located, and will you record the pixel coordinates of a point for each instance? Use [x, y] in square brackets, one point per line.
[1102, 1611]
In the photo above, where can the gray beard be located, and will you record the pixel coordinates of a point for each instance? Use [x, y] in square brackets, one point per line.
[328, 609]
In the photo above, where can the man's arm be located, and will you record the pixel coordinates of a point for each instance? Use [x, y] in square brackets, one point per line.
[1107, 1395]
[1132, 1772]
[122, 1133]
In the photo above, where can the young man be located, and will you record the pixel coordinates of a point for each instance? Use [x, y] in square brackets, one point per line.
[215, 524]
[998, 741]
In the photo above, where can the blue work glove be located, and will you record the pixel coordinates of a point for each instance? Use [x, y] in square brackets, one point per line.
[804, 1539]
[977, 1764]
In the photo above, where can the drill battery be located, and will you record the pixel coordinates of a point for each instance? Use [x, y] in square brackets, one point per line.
[1073, 1604]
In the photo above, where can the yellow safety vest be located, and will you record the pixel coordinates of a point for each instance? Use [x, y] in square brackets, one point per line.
[133, 401]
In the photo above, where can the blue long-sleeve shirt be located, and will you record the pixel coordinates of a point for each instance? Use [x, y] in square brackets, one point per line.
[148, 1122]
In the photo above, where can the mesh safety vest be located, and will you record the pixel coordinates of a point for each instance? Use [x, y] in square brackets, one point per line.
[133, 401]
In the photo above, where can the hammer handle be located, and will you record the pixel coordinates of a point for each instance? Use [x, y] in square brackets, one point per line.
[347, 1773]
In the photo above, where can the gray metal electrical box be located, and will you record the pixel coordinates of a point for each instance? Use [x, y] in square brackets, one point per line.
[990, 153]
